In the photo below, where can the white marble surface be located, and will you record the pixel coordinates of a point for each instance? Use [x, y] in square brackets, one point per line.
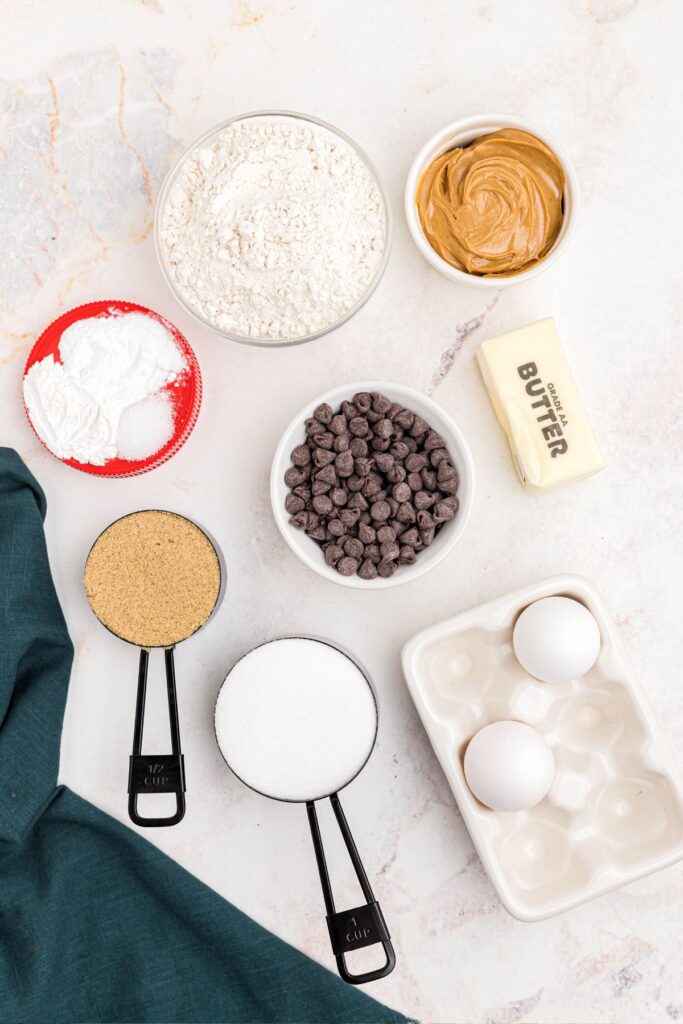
[95, 102]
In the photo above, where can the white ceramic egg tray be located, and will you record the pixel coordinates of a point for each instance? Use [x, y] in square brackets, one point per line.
[615, 810]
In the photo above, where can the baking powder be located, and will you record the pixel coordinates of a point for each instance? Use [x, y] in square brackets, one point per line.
[274, 230]
[109, 363]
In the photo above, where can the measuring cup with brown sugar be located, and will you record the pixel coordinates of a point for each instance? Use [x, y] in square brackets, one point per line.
[153, 578]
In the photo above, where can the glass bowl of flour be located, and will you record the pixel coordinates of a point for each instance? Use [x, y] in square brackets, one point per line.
[273, 228]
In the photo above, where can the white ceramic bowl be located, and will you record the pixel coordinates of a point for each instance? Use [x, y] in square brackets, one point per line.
[309, 551]
[207, 140]
[461, 133]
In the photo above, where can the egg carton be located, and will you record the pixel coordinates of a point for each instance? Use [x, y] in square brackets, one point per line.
[615, 810]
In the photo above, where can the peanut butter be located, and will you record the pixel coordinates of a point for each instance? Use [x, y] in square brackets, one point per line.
[493, 208]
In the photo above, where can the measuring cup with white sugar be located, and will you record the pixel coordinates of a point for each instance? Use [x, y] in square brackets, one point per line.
[154, 578]
[296, 720]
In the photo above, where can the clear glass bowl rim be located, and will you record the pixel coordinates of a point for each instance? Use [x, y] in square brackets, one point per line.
[209, 136]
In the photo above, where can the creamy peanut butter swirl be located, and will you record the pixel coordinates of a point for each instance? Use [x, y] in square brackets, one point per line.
[493, 208]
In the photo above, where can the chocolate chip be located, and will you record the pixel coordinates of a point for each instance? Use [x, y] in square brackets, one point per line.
[362, 401]
[386, 569]
[405, 419]
[327, 474]
[314, 427]
[358, 447]
[295, 475]
[449, 486]
[353, 547]
[372, 484]
[445, 470]
[322, 504]
[336, 528]
[425, 521]
[433, 440]
[301, 455]
[344, 464]
[429, 479]
[372, 552]
[443, 512]
[354, 482]
[386, 534]
[400, 449]
[383, 428]
[389, 551]
[414, 481]
[380, 444]
[380, 511]
[437, 455]
[294, 504]
[299, 520]
[325, 440]
[357, 501]
[424, 499]
[347, 566]
[384, 461]
[348, 410]
[411, 537]
[338, 424]
[416, 462]
[419, 427]
[320, 487]
[342, 442]
[406, 513]
[302, 491]
[366, 534]
[427, 536]
[401, 492]
[367, 570]
[323, 413]
[363, 466]
[380, 403]
[322, 458]
[349, 517]
[333, 553]
[396, 475]
[317, 533]
[339, 497]
[359, 426]
[407, 554]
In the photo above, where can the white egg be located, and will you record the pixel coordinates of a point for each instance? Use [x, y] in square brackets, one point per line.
[509, 766]
[556, 639]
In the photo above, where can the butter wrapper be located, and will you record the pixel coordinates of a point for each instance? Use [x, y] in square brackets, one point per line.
[535, 398]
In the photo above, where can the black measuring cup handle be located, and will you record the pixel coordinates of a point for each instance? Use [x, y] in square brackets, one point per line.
[361, 926]
[156, 773]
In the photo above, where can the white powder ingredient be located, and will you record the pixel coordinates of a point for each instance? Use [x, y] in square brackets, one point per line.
[296, 719]
[275, 230]
[145, 427]
[108, 364]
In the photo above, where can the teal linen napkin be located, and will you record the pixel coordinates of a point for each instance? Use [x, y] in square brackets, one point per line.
[96, 924]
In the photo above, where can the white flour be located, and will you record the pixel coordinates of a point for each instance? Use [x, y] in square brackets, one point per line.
[108, 364]
[275, 230]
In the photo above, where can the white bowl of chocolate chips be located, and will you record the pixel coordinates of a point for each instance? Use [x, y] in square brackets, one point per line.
[372, 484]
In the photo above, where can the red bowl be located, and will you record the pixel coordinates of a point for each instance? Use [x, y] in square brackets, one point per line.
[185, 392]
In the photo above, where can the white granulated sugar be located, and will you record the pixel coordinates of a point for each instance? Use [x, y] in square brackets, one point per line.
[145, 427]
[296, 719]
[275, 230]
[108, 364]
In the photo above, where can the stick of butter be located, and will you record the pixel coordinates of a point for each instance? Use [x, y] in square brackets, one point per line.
[538, 406]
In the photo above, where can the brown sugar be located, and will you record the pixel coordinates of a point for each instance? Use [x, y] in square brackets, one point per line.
[152, 578]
